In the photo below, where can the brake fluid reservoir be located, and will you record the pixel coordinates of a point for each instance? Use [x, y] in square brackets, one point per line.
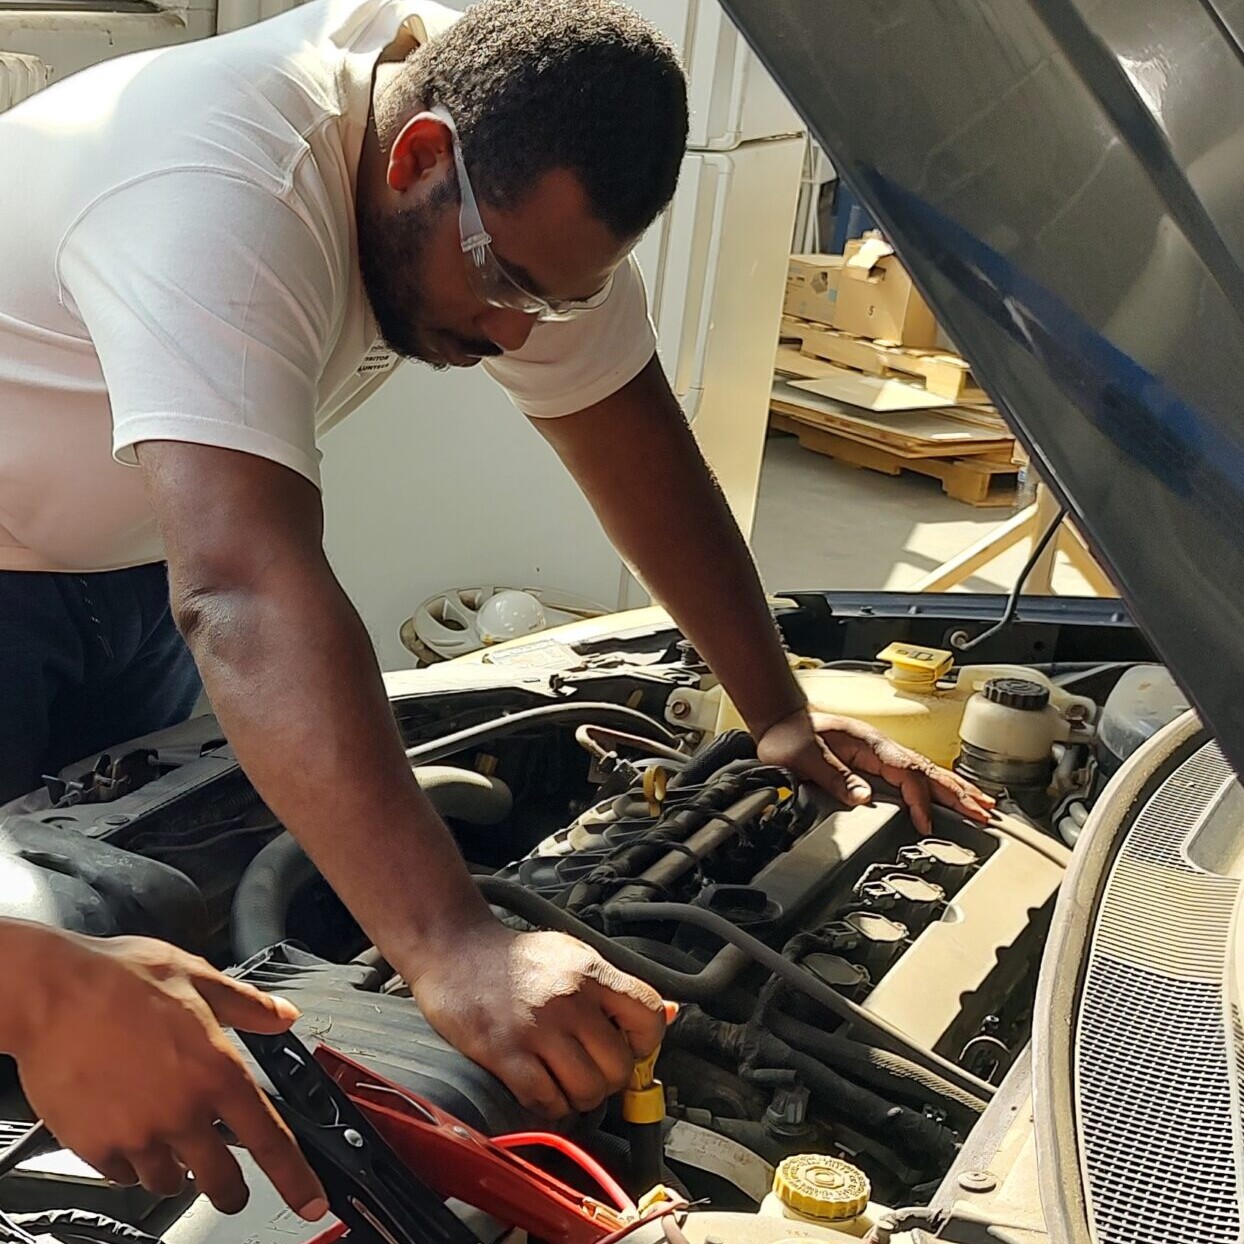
[916, 701]
[816, 1189]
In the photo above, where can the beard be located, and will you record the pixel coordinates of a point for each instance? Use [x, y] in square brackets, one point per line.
[391, 253]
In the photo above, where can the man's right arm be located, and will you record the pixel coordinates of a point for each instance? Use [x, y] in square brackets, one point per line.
[291, 674]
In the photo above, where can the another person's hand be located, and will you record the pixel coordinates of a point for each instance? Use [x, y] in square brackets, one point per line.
[543, 1012]
[121, 1052]
[834, 752]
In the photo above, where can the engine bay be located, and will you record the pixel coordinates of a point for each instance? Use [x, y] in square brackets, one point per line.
[848, 986]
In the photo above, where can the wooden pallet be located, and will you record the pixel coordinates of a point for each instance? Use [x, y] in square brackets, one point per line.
[980, 480]
[944, 375]
[907, 433]
[791, 366]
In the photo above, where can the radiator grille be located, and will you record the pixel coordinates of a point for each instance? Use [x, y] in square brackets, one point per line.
[1157, 1047]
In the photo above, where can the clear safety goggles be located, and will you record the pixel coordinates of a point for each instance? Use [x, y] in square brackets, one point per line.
[489, 280]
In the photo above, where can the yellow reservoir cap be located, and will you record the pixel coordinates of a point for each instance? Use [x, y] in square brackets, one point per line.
[910, 663]
[822, 1187]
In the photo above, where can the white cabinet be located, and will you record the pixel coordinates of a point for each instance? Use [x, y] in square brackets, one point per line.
[732, 98]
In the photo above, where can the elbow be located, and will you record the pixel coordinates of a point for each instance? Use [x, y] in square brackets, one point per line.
[215, 617]
[211, 595]
[224, 605]
[198, 612]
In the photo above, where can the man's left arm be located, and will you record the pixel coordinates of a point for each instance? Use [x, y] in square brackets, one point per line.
[640, 467]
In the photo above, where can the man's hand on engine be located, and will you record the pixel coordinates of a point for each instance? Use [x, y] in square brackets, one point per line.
[835, 751]
[120, 1049]
[543, 1012]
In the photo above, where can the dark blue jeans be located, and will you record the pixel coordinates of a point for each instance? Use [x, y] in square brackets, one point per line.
[86, 661]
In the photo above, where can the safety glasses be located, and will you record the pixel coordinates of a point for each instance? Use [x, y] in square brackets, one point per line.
[489, 280]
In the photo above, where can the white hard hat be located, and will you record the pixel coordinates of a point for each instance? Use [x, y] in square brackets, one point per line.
[465, 619]
[507, 614]
[461, 620]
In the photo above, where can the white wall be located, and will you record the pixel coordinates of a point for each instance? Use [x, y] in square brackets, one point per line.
[438, 482]
[408, 512]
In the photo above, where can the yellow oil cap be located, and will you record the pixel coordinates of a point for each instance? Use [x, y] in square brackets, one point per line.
[914, 665]
[822, 1187]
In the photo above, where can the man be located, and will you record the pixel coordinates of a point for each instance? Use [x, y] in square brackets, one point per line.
[208, 251]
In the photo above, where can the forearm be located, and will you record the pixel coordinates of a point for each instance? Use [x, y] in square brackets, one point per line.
[694, 561]
[292, 677]
[639, 465]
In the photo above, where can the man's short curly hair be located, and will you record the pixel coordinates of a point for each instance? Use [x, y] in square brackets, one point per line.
[534, 85]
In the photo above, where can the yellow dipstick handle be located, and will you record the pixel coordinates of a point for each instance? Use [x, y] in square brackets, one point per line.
[643, 1099]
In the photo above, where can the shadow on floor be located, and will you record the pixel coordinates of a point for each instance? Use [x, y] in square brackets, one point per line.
[821, 524]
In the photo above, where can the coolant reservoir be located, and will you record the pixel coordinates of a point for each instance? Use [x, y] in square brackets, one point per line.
[1144, 700]
[915, 702]
[811, 1187]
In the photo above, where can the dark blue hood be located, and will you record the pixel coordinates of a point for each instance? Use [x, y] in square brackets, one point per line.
[1066, 183]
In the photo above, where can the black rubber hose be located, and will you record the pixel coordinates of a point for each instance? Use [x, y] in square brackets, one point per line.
[704, 986]
[264, 894]
[733, 1002]
[878, 1029]
[272, 879]
[569, 714]
[464, 794]
[889, 1074]
[917, 1140]
[727, 748]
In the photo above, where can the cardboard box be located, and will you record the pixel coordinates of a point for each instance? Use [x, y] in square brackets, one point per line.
[812, 287]
[877, 299]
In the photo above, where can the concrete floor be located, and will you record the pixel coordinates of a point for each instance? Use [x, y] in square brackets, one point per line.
[821, 524]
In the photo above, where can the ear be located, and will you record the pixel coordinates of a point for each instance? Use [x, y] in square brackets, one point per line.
[422, 147]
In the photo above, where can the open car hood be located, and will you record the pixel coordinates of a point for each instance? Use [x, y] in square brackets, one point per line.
[1066, 183]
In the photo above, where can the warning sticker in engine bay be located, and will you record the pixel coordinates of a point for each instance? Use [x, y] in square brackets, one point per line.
[542, 654]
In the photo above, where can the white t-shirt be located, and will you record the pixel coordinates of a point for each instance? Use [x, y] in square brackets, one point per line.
[178, 261]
